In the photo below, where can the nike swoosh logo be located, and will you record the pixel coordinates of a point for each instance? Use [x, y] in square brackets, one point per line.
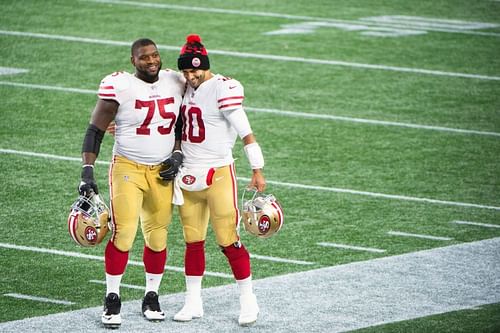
[232, 87]
[218, 178]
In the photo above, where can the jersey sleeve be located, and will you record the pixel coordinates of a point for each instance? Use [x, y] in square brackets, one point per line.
[113, 87]
[230, 95]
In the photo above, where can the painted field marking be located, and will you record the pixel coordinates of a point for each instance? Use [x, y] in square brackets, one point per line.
[363, 29]
[486, 225]
[39, 299]
[45, 87]
[282, 260]
[124, 285]
[406, 234]
[300, 186]
[368, 121]
[262, 56]
[376, 23]
[283, 112]
[350, 247]
[12, 71]
[98, 258]
[428, 22]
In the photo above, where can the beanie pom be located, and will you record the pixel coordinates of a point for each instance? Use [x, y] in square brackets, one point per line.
[194, 38]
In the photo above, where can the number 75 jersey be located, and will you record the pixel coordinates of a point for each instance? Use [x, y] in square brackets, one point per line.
[146, 114]
[207, 136]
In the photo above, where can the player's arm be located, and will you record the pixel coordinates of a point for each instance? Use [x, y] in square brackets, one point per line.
[103, 114]
[239, 121]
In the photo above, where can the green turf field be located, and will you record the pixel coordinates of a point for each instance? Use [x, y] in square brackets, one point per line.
[375, 119]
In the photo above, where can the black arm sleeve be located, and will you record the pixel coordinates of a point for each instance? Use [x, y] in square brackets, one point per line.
[92, 140]
[178, 128]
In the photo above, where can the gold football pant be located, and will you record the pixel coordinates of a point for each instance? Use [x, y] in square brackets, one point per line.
[218, 203]
[138, 192]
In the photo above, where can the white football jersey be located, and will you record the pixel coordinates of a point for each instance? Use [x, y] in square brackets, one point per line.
[207, 136]
[145, 121]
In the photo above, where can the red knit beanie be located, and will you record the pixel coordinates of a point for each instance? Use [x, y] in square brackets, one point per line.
[193, 54]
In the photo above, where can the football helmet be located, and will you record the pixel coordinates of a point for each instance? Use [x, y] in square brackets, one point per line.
[262, 215]
[88, 221]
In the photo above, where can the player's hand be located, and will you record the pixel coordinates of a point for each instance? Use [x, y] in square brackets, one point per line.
[258, 181]
[172, 165]
[87, 185]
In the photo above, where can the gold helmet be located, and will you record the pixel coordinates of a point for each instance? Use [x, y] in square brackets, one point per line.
[88, 221]
[262, 215]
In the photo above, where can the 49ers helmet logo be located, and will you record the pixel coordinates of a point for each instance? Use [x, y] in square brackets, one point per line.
[91, 234]
[264, 224]
[188, 179]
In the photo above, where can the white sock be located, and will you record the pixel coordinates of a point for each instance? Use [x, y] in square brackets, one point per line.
[193, 285]
[153, 282]
[113, 283]
[245, 286]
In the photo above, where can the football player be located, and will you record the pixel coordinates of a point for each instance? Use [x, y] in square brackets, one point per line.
[213, 116]
[144, 107]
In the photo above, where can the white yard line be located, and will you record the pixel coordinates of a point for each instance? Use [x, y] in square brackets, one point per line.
[98, 258]
[124, 285]
[377, 195]
[45, 87]
[368, 121]
[406, 234]
[38, 299]
[283, 112]
[486, 225]
[332, 299]
[350, 247]
[12, 71]
[262, 56]
[282, 260]
[293, 185]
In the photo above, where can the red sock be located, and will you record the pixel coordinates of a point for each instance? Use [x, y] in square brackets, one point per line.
[154, 262]
[239, 260]
[115, 261]
[194, 259]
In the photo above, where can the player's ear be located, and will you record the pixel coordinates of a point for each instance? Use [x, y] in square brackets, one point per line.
[132, 60]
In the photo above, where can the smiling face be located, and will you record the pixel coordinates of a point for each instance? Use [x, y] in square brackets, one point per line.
[147, 62]
[195, 77]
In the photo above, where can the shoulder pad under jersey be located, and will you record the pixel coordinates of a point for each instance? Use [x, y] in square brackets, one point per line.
[230, 94]
[115, 82]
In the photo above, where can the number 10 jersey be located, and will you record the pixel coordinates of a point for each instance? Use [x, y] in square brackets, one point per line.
[207, 136]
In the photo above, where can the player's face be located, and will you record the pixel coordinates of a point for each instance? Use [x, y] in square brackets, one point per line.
[147, 62]
[195, 77]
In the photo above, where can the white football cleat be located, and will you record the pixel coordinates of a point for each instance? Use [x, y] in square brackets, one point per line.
[192, 309]
[111, 317]
[249, 310]
[151, 307]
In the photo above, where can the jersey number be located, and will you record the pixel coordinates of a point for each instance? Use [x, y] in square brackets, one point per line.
[192, 120]
[151, 106]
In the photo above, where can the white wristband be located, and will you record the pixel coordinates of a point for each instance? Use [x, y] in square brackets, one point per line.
[254, 155]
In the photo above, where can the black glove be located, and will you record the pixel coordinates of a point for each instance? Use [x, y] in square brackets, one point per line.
[87, 186]
[172, 165]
